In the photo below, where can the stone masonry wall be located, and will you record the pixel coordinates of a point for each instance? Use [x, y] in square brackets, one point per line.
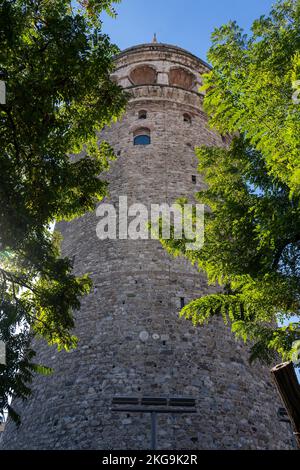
[131, 341]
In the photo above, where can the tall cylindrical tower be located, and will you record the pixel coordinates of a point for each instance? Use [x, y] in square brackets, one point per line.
[131, 341]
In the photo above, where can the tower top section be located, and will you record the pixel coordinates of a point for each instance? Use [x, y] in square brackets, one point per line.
[161, 48]
[161, 71]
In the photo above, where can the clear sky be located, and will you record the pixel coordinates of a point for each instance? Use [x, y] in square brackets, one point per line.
[184, 23]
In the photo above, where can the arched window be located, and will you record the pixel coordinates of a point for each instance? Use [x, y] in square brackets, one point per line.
[142, 140]
[187, 118]
[142, 114]
[142, 136]
[182, 78]
[143, 75]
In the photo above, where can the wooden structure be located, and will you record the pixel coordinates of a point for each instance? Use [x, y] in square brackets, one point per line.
[288, 387]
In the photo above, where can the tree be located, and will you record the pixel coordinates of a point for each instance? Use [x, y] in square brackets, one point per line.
[56, 64]
[252, 229]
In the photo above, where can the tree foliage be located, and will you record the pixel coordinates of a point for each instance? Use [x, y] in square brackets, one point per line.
[56, 64]
[252, 229]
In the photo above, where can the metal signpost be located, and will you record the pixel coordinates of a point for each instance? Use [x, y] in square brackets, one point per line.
[154, 406]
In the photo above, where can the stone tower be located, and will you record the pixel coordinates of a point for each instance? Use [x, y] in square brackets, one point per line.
[131, 341]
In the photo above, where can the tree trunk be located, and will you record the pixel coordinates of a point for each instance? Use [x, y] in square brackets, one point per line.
[288, 387]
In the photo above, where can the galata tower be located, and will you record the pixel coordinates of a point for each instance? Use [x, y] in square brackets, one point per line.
[131, 340]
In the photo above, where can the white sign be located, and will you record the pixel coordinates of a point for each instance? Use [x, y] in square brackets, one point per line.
[2, 353]
[2, 92]
[295, 97]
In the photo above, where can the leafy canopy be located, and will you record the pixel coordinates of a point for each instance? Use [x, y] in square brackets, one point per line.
[56, 64]
[252, 230]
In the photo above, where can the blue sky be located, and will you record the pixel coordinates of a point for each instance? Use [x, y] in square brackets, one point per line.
[184, 23]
